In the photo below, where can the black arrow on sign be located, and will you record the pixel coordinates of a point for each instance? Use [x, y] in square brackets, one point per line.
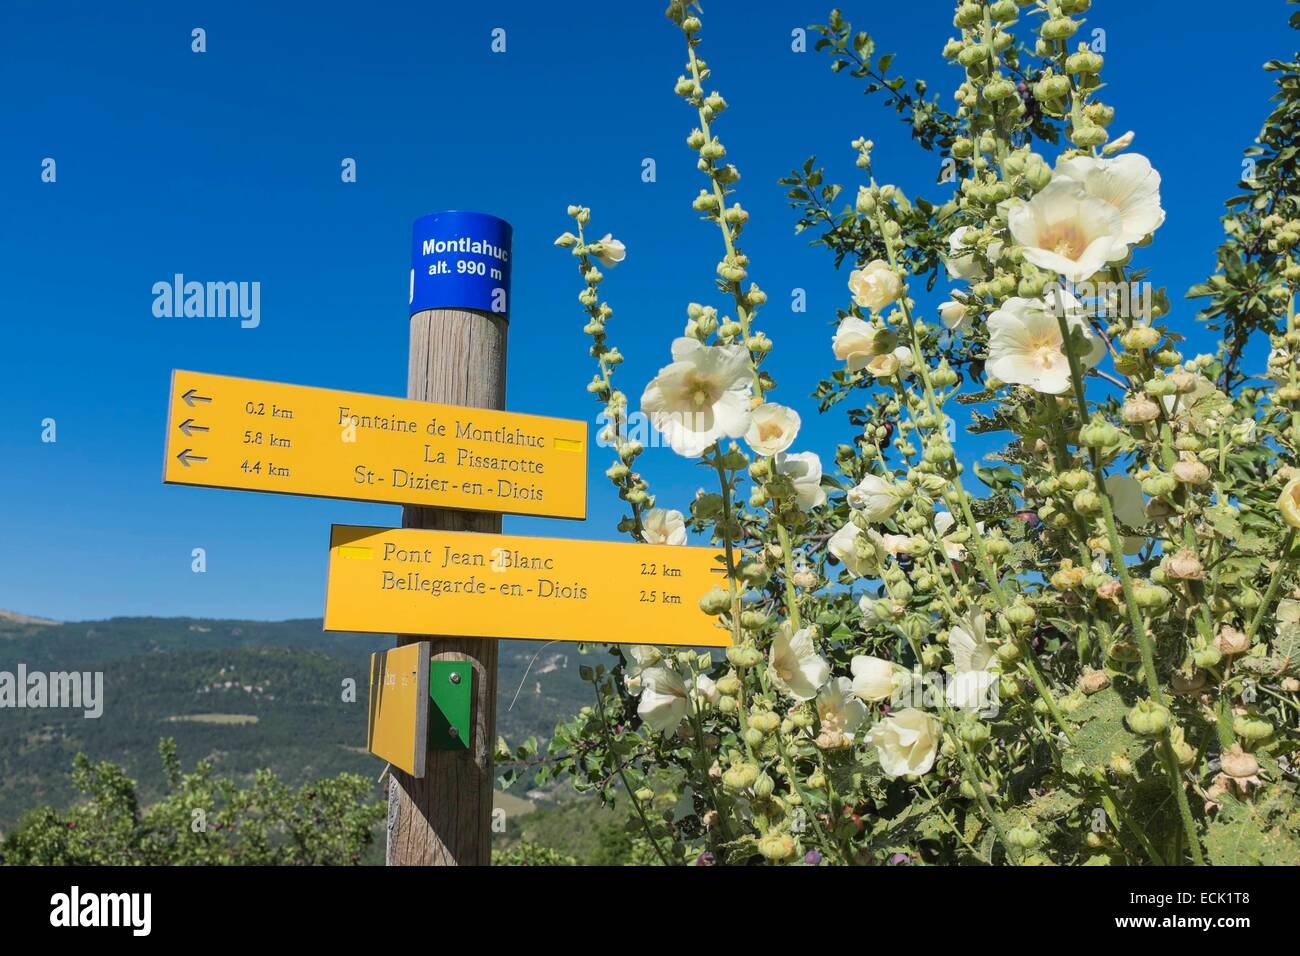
[185, 458]
[189, 428]
[191, 397]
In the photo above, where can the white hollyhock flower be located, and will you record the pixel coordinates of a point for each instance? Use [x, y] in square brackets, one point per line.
[969, 645]
[663, 699]
[1065, 230]
[875, 285]
[772, 428]
[1129, 507]
[706, 689]
[1120, 143]
[952, 314]
[1025, 344]
[840, 713]
[663, 526]
[907, 742]
[1128, 183]
[843, 545]
[944, 523]
[888, 364]
[973, 690]
[642, 656]
[962, 260]
[895, 545]
[805, 472]
[612, 252]
[876, 679]
[855, 342]
[877, 498]
[701, 397]
[794, 666]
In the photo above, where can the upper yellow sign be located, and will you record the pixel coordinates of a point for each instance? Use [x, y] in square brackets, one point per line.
[414, 581]
[225, 432]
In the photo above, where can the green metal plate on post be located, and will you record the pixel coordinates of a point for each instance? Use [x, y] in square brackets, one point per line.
[451, 690]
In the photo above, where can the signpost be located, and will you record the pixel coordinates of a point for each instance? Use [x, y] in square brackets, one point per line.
[498, 586]
[225, 432]
[456, 461]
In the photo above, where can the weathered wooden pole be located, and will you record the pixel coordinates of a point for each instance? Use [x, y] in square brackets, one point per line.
[457, 357]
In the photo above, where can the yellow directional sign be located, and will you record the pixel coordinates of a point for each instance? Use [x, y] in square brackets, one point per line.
[415, 581]
[225, 432]
[397, 728]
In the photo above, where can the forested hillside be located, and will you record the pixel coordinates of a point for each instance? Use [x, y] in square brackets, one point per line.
[244, 694]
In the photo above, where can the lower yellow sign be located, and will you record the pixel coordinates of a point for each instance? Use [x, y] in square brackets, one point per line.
[415, 581]
[397, 728]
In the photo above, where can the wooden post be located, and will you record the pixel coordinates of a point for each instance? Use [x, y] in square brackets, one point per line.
[458, 357]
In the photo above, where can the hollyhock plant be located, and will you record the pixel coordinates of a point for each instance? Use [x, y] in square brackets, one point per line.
[1039, 601]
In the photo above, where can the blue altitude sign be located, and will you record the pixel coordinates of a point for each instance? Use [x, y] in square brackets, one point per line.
[460, 260]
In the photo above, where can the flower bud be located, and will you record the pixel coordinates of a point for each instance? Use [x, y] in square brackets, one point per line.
[1020, 614]
[1251, 729]
[1084, 61]
[1138, 410]
[740, 776]
[776, 846]
[1058, 28]
[1207, 655]
[1023, 837]
[715, 602]
[1094, 682]
[997, 547]
[1184, 565]
[968, 15]
[1086, 135]
[1148, 718]
[1087, 502]
[1075, 480]
[1191, 471]
[1239, 765]
[744, 655]
[975, 733]
[999, 89]
[1184, 752]
[1151, 596]
[1231, 642]
[1158, 484]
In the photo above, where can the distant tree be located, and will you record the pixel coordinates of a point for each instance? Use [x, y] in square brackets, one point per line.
[203, 820]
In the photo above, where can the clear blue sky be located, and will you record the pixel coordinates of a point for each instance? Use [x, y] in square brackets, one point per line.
[225, 166]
